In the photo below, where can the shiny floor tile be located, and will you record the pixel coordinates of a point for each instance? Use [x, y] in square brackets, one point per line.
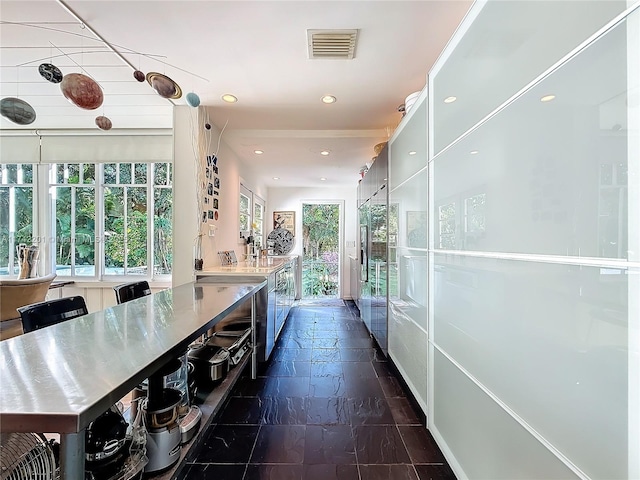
[379, 444]
[279, 444]
[208, 471]
[328, 406]
[331, 472]
[434, 472]
[420, 444]
[329, 444]
[387, 472]
[228, 444]
[272, 472]
[328, 411]
[283, 411]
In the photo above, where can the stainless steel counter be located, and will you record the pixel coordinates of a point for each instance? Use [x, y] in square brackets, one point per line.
[58, 379]
[241, 269]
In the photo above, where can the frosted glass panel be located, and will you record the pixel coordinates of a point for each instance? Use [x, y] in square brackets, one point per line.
[408, 148]
[490, 444]
[408, 346]
[502, 51]
[410, 203]
[546, 177]
[550, 341]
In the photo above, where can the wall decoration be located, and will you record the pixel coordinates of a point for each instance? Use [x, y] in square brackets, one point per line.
[210, 189]
[282, 240]
[164, 86]
[286, 220]
[216, 182]
[206, 200]
[215, 203]
[216, 192]
[50, 72]
[193, 100]
[82, 91]
[103, 123]
[208, 173]
[210, 214]
[17, 110]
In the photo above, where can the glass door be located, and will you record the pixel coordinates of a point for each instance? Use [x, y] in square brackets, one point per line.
[321, 250]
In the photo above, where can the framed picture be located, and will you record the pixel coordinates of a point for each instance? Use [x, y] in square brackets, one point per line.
[286, 220]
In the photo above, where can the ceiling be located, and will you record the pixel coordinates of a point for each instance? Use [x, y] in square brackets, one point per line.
[255, 50]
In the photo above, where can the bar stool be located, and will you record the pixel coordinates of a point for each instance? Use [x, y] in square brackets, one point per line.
[131, 291]
[51, 312]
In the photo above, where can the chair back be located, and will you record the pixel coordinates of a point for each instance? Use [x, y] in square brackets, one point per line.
[44, 314]
[130, 291]
[18, 293]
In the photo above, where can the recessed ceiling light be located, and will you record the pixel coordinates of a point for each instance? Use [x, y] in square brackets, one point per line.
[258, 152]
[227, 97]
[547, 98]
[324, 152]
[329, 99]
[276, 178]
[450, 99]
[322, 178]
[412, 152]
[473, 152]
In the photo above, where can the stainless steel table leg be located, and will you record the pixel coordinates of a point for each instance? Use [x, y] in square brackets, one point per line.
[72, 455]
[254, 338]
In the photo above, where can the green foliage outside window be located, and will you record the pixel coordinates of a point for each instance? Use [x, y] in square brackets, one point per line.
[320, 261]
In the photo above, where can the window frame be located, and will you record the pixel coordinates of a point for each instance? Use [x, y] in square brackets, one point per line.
[44, 220]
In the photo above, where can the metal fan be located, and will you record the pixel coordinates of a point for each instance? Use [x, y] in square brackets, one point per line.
[26, 456]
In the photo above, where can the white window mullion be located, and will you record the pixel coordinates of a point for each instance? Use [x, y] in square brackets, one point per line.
[100, 231]
[150, 219]
[72, 232]
[12, 229]
[125, 213]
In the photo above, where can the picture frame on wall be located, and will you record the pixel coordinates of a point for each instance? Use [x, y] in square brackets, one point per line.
[286, 220]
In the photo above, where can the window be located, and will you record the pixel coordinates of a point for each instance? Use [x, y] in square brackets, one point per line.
[245, 211]
[16, 213]
[258, 220]
[251, 216]
[73, 196]
[105, 219]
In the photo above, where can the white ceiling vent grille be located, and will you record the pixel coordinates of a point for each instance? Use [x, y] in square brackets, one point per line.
[332, 43]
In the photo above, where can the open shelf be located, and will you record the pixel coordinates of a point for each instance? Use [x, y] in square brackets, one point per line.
[210, 403]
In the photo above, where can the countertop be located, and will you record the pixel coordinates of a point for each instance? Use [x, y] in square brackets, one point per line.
[59, 378]
[263, 268]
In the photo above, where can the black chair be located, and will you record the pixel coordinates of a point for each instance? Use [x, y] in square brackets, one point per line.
[130, 291]
[44, 314]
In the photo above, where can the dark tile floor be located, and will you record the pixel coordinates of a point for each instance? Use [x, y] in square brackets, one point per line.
[327, 406]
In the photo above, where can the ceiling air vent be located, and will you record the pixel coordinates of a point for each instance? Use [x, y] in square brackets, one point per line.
[332, 43]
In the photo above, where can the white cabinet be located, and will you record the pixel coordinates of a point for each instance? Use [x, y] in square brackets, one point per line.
[408, 253]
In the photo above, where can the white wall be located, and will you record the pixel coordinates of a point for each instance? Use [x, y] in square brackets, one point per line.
[291, 199]
[191, 139]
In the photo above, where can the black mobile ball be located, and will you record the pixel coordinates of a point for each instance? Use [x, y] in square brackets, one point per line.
[207, 126]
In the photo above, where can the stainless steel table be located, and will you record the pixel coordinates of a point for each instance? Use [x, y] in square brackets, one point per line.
[60, 378]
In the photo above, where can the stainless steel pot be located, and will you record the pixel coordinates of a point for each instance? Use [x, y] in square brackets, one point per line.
[211, 362]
